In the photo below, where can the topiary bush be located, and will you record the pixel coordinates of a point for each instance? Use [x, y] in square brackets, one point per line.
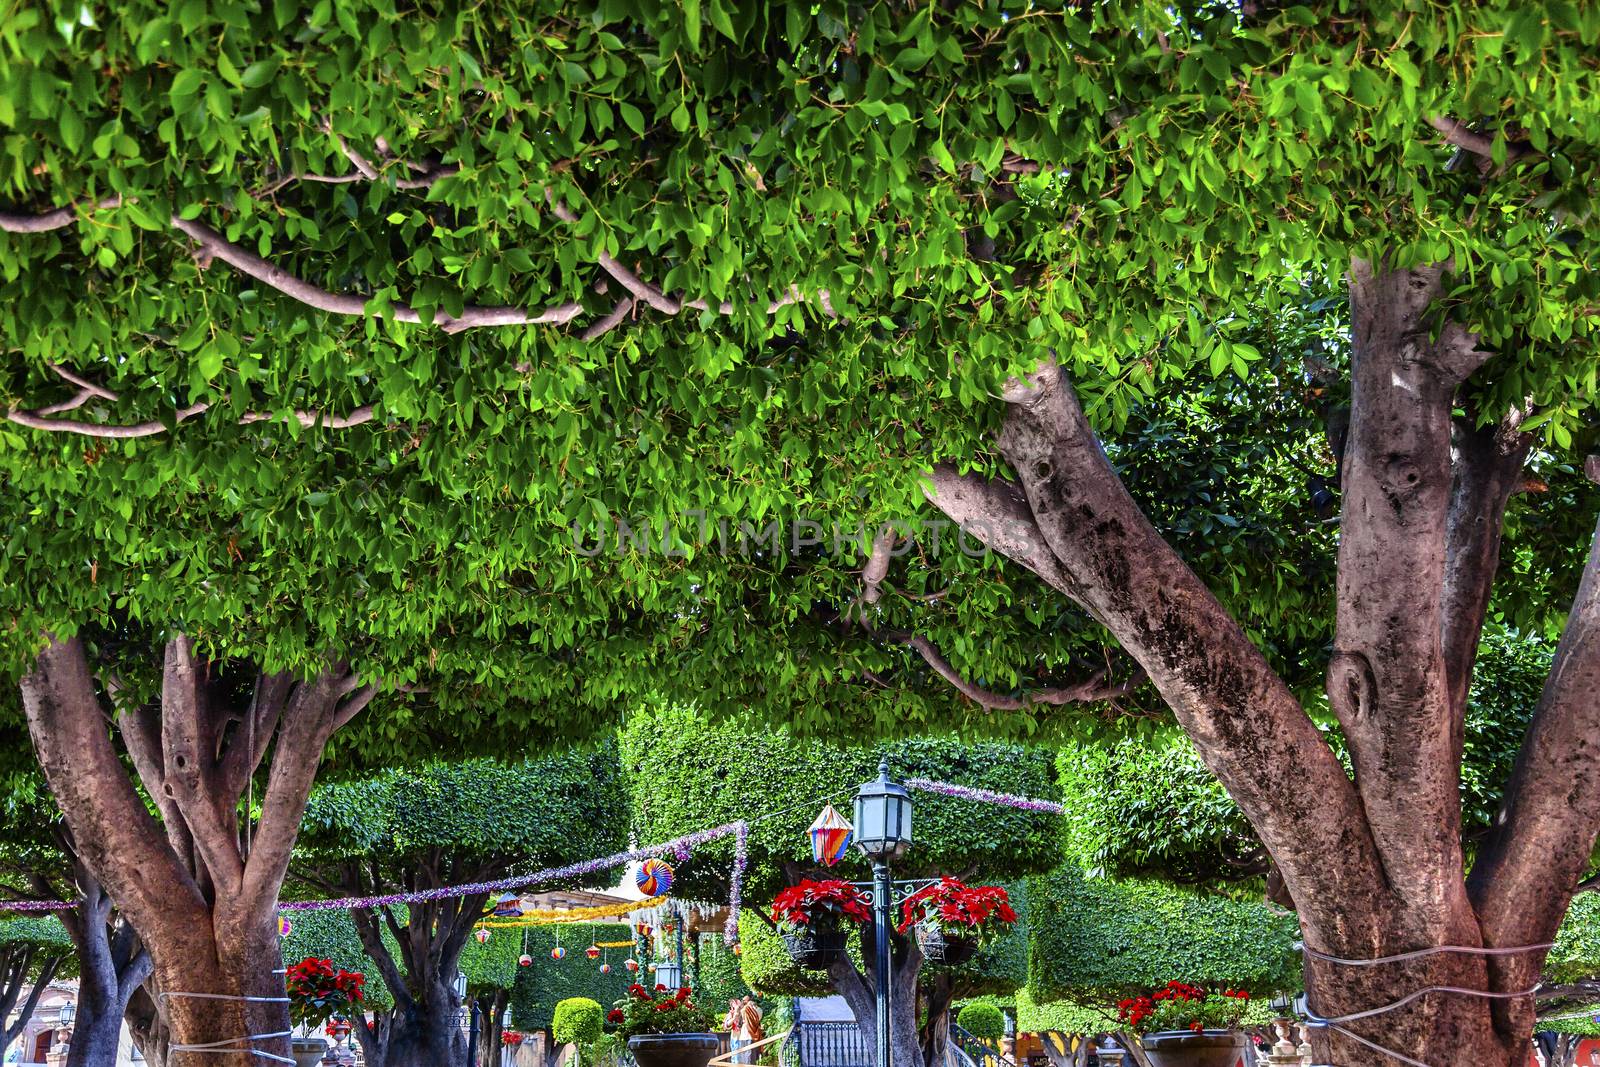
[982, 1020]
[577, 1021]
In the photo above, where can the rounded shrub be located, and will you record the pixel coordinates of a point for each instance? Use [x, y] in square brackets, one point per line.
[982, 1020]
[578, 1021]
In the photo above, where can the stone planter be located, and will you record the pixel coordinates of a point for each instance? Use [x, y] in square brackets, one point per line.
[673, 1050]
[944, 949]
[307, 1051]
[816, 950]
[1184, 1048]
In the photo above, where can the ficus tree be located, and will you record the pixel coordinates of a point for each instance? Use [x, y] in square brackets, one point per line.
[444, 284]
[441, 825]
[685, 773]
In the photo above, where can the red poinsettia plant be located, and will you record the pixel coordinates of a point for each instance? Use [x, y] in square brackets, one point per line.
[666, 1011]
[959, 910]
[825, 905]
[318, 991]
[1182, 1006]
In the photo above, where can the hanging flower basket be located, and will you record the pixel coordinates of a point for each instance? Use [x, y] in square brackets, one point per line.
[816, 950]
[947, 950]
[1189, 1048]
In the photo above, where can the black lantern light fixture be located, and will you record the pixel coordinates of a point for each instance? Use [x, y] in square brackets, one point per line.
[883, 818]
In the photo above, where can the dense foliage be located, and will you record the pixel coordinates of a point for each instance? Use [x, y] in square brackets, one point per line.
[684, 774]
[1098, 941]
[916, 165]
[532, 813]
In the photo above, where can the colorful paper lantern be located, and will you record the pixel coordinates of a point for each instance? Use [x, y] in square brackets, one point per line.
[524, 961]
[654, 878]
[482, 935]
[508, 906]
[593, 952]
[738, 949]
[284, 926]
[558, 953]
[605, 968]
[644, 929]
[632, 965]
[830, 836]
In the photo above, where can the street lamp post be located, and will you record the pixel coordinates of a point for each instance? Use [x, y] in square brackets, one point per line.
[883, 833]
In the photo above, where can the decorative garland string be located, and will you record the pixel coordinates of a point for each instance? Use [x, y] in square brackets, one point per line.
[985, 796]
[558, 916]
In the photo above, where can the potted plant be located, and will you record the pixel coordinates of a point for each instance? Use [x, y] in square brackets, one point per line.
[664, 1028]
[1182, 1025]
[318, 992]
[814, 917]
[954, 920]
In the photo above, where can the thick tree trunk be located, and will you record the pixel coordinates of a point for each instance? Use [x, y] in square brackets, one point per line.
[200, 891]
[1374, 866]
[860, 993]
[112, 964]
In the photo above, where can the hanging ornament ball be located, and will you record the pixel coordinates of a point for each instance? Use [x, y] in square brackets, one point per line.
[482, 935]
[633, 966]
[654, 878]
[652, 968]
[605, 968]
[593, 952]
[524, 961]
[284, 926]
[558, 953]
[738, 949]
[645, 929]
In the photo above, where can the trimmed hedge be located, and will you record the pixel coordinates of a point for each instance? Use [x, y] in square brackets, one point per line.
[545, 982]
[577, 1021]
[982, 1020]
[1094, 940]
[685, 773]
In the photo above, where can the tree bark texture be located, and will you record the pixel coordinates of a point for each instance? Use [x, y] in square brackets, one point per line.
[112, 965]
[199, 891]
[1372, 863]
